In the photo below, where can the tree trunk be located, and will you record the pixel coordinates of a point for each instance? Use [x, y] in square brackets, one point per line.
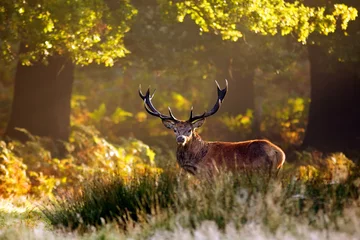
[240, 96]
[334, 114]
[41, 102]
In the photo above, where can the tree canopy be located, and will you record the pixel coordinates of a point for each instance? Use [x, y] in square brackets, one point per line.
[231, 18]
[87, 31]
[93, 31]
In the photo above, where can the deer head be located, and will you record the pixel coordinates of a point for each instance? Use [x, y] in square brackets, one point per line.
[184, 130]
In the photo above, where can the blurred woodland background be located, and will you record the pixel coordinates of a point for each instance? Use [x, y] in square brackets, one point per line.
[70, 72]
[79, 152]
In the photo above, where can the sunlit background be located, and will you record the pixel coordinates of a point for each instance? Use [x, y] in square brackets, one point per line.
[75, 135]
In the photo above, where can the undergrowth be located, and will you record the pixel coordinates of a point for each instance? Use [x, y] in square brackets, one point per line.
[170, 201]
[111, 199]
[36, 168]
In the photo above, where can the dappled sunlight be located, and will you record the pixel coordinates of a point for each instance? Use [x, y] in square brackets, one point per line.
[81, 158]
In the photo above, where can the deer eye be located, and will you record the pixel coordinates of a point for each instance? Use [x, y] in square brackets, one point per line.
[174, 130]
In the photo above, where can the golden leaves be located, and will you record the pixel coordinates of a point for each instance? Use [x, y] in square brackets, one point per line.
[264, 17]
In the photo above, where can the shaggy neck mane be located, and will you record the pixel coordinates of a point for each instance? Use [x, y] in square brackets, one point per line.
[189, 155]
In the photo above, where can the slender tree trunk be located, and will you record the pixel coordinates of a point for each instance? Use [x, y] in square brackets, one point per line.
[41, 102]
[241, 87]
[241, 94]
[334, 116]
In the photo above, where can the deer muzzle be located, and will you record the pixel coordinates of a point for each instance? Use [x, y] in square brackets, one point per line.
[181, 139]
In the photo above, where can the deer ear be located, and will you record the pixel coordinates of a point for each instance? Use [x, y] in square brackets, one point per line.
[199, 123]
[168, 123]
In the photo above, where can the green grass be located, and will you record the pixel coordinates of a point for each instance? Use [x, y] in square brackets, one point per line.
[111, 199]
[169, 203]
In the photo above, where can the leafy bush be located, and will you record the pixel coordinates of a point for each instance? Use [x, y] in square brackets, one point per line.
[286, 120]
[241, 124]
[13, 176]
[33, 167]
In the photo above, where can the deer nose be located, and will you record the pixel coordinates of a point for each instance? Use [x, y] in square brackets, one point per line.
[180, 139]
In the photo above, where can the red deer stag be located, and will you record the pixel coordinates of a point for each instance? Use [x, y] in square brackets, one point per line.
[195, 155]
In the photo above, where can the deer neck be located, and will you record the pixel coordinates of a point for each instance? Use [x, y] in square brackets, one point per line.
[191, 154]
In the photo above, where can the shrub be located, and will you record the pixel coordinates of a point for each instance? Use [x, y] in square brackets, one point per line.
[32, 168]
[13, 177]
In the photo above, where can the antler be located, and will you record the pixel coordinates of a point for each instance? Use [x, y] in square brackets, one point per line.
[149, 107]
[221, 96]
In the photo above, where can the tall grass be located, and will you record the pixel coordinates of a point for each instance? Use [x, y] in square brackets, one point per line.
[111, 199]
[168, 202]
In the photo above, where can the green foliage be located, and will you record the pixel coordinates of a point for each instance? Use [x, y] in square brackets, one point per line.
[99, 113]
[242, 123]
[230, 18]
[288, 120]
[87, 31]
[120, 115]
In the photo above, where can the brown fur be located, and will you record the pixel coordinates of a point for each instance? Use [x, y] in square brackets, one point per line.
[197, 155]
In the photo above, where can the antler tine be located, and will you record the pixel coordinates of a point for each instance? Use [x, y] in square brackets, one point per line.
[221, 96]
[217, 84]
[153, 94]
[140, 93]
[191, 112]
[148, 102]
[172, 115]
[149, 107]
